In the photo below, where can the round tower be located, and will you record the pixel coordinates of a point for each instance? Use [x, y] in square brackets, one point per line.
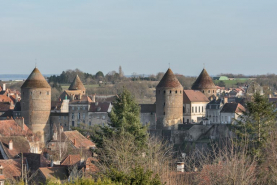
[205, 84]
[77, 85]
[36, 104]
[169, 101]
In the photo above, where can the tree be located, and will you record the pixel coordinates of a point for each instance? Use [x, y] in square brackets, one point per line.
[125, 120]
[221, 83]
[255, 124]
[99, 74]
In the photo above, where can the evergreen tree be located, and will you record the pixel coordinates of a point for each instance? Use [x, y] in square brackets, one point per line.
[125, 121]
[255, 124]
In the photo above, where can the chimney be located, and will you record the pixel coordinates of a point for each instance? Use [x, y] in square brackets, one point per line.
[61, 129]
[180, 166]
[4, 87]
[10, 145]
[93, 98]
[16, 98]
[74, 141]
[1, 170]
[269, 96]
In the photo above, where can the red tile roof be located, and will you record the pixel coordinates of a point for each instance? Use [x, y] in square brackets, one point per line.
[194, 96]
[77, 84]
[35, 80]
[78, 140]
[99, 107]
[11, 168]
[91, 165]
[20, 144]
[11, 128]
[71, 160]
[5, 106]
[58, 172]
[169, 80]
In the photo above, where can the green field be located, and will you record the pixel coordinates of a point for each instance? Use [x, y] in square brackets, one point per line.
[230, 82]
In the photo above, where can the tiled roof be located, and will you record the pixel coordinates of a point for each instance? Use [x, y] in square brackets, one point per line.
[147, 108]
[84, 99]
[77, 84]
[56, 105]
[169, 80]
[11, 128]
[78, 140]
[194, 96]
[232, 108]
[4, 106]
[99, 107]
[71, 160]
[20, 144]
[91, 165]
[58, 172]
[203, 81]
[4, 98]
[35, 80]
[11, 168]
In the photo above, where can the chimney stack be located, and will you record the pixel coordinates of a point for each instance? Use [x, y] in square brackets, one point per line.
[180, 166]
[74, 141]
[10, 145]
[4, 87]
[93, 98]
[225, 99]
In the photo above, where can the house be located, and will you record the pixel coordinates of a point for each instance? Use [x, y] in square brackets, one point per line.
[71, 160]
[231, 111]
[213, 111]
[11, 147]
[58, 174]
[10, 169]
[77, 140]
[194, 103]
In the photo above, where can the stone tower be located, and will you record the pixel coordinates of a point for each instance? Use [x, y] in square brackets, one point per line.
[36, 104]
[77, 85]
[205, 84]
[169, 102]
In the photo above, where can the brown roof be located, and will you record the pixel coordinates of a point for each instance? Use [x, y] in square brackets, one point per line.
[91, 165]
[204, 81]
[169, 80]
[20, 144]
[4, 106]
[35, 161]
[11, 128]
[99, 107]
[84, 99]
[4, 98]
[35, 80]
[77, 84]
[194, 96]
[11, 168]
[71, 160]
[232, 108]
[59, 172]
[78, 140]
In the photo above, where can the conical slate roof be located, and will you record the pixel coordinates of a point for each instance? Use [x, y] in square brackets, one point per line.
[35, 80]
[203, 81]
[169, 80]
[77, 84]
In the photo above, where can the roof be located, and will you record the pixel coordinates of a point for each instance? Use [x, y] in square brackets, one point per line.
[4, 98]
[203, 81]
[91, 165]
[11, 168]
[232, 108]
[71, 160]
[35, 161]
[35, 80]
[147, 108]
[56, 105]
[194, 96]
[80, 140]
[84, 99]
[99, 107]
[4, 106]
[77, 84]
[169, 80]
[11, 128]
[20, 144]
[58, 172]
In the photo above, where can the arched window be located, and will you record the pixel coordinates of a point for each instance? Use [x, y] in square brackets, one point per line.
[176, 91]
[170, 91]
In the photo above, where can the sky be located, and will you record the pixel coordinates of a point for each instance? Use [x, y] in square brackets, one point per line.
[143, 36]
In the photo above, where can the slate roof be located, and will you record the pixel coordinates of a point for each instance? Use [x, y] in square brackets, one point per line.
[203, 81]
[194, 96]
[77, 84]
[35, 80]
[80, 140]
[20, 144]
[169, 80]
[232, 108]
[214, 104]
[35, 161]
[99, 107]
[148, 108]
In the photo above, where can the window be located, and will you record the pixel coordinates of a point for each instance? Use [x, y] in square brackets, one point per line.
[84, 115]
[170, 91]
[89, 123]
[47, 92]
[79, 115]
[202, 108]
[59, 117]
[72, 108]
[199, 109]
[104, 117]
[84, 108]
[213, 91]
[164, 92]
[192, 109]
[40, 92]
[209, 91]
[78, 108]
[73, 124]
[64, 117]
[180, 92]
[164, 103]
[72, 115]
[176, 91]
[203, 91]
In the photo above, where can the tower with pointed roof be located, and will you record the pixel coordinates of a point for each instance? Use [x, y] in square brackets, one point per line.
[36, 104]
[169, 101]
[77, 85]
[205, 84]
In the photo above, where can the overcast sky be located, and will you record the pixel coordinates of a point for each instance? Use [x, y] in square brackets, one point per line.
[143, 36]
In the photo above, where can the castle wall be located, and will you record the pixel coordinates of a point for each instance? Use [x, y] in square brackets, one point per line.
[35, 108]
[148, 118]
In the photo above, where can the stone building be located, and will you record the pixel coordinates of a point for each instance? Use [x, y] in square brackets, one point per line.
[169, 102]
[231, 111]
[213, 111]
[36, 104]
[205, 84]
[195, 103]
